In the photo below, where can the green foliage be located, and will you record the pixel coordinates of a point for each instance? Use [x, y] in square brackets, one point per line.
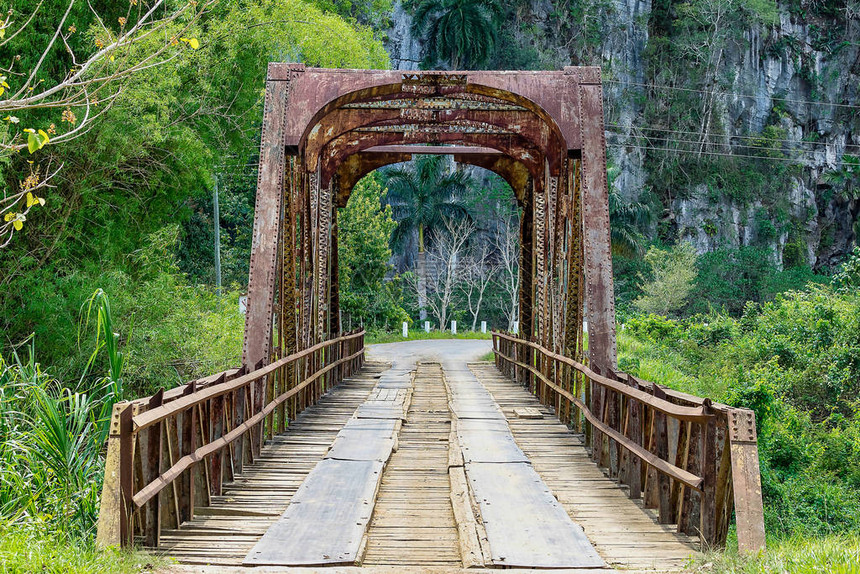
[848, 276]
[143, 172]
[364, 228]
[422, 195]
[50, 448]
[796, 362]
[24, 550]
[374, 13]
[395, 336]
[626, 219]
[838, 554]
[845, 181]
[673, 273]
[729, 278]
[459, 32]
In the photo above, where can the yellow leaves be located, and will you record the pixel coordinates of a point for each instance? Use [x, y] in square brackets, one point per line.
[192, 42]
[36, 140]
[122, 21]
[17, 219]
[11, 119]
[72, 29]
[33, 200]
[3, 85]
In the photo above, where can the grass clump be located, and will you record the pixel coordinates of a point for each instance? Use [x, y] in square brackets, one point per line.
[27, 550]
[838, 554]
[51, 458]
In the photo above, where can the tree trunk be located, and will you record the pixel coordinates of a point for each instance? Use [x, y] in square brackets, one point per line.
[422, 276]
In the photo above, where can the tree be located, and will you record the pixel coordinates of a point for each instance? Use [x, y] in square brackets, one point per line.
[848, 277]
[73, 77]
[626, 220]
[364, 227]
[422, 196]
[147, 164]
[673, 277]
[461, 32]
[507, 244]
[446, 256]
[477, 276]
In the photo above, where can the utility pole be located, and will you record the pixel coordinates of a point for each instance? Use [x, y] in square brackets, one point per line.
[217, 218]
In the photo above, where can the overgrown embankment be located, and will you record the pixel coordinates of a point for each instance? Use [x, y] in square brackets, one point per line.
[796, 362]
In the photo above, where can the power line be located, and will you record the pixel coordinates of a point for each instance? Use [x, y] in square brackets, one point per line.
[696, 142]
[756, 138]
[737, 95]
[713, 153]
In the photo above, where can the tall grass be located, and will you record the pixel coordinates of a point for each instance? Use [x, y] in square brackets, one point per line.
[52, 437]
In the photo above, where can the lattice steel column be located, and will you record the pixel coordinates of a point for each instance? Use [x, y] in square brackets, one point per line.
[267, 220]
[600, 295]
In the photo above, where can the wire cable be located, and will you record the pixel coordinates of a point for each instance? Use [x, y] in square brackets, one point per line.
[735, 94]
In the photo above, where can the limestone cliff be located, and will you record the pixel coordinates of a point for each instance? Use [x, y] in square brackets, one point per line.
[777, 97]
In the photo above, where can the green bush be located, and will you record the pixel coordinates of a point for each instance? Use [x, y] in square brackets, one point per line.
[795, 361]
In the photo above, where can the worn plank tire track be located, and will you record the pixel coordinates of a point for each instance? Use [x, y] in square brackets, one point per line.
[413, 522]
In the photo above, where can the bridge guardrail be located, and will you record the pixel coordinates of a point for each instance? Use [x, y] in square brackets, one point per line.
[689, 458]
[157, 443]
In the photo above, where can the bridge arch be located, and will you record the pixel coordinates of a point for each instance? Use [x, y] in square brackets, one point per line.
[324, 129]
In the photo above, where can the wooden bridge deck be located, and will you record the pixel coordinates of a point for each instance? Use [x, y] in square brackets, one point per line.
[415, 526]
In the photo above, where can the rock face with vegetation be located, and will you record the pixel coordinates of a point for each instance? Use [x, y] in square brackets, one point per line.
[736, 121]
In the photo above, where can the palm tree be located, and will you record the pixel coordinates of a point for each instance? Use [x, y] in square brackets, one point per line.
[462, 32]
[422, 196]
[626, 219]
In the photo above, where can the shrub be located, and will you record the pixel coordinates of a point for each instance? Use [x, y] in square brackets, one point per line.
[673, 273]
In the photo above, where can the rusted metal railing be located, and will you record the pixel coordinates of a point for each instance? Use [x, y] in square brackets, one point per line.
[689, 458]
[174, 450]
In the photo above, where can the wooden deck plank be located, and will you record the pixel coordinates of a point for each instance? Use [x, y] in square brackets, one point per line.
[326, 519]
[255, 500]
[526, 526]
[622, 531]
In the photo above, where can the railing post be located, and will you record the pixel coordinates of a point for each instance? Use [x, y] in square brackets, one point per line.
[688, 514]
[113, 512]
[634, 432]
[238, 418]
[126, 475]
[746, 479]
[150, 453]
[216, 431]
[596, 409]
[258, 390]
[709, 473]
[187, 445]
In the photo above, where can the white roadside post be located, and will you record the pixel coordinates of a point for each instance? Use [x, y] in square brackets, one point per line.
[483, 326]
[426, 326]
[405, 330]
[453, 327]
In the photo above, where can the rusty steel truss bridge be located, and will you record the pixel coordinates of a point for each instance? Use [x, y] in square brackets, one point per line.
[309, 455]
